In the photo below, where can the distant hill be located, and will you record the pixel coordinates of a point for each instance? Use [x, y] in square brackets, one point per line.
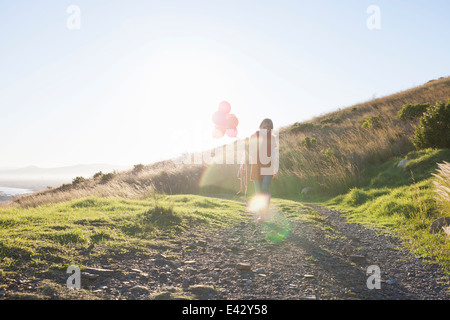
[37, 178]
[85, 170]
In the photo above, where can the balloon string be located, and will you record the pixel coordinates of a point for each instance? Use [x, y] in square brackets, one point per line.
[241, 173]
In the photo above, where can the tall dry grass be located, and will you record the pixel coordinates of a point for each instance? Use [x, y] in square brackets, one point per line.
[333, 165]
[341, 153]
[162, 177]
[442, 187]
[344, 149]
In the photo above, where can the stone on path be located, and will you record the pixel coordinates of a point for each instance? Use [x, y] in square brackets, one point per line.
[391, 281]
[201, 289]
[243, 266]
[357, 259]
[185, 284]
[90, 276]
[139, 290]
[98, 270]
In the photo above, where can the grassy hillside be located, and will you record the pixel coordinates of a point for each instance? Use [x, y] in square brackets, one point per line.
[349, 140]
[328, 154]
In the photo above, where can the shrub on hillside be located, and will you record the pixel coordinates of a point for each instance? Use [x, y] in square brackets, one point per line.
[371, 123]
[98, 175]
[78, 180]
[138, 168]
[328, 153]
[434, 128]
[412, 111]
[309, 143]
[107, 177]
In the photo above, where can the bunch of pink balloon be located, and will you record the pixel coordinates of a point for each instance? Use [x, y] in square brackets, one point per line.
[225, 122]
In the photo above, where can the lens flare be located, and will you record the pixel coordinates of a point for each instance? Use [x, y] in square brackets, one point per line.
[216, 178]
[258, 203]
[278, 228]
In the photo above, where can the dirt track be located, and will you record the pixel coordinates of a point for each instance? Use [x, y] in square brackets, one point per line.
[320, 258]
[326, 259]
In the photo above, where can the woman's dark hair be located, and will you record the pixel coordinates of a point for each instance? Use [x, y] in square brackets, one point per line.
[266, 124]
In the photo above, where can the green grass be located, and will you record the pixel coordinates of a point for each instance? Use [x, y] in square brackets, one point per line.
[401, 201]
[38, 240]
[41, 242]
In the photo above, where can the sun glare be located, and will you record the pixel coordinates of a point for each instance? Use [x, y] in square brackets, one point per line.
[258, 203]
[171, 94]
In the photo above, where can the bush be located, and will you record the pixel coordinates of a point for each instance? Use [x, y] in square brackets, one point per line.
[412, 111]
[107, 177]
[434, 128]
[309, 143]
[78, 180]
[138, 168]
[371, 123]
[328, 153]
[98, 175]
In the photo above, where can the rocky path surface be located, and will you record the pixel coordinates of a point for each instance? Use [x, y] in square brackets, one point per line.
[320, 258]
[326, 258]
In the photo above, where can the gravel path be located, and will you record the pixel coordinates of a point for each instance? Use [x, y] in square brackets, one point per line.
[321, 258]
[326, 259]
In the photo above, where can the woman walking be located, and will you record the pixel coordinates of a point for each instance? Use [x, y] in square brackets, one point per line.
[264, 163]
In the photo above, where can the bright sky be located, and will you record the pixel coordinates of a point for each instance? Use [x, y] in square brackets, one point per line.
[140, 80]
